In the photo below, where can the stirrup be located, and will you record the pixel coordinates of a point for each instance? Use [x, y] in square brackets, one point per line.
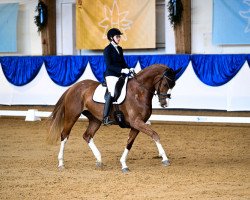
[107, 122]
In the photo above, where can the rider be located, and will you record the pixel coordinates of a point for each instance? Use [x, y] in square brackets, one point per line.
[115, 66]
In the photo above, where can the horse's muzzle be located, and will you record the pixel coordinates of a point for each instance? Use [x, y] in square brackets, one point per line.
[164, 103]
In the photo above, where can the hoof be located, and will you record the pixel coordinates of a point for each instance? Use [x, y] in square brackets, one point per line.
[125, 170]
[61, 168]
[166, 163]
[99, 164]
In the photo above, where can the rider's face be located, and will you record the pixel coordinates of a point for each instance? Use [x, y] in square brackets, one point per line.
[117, 39]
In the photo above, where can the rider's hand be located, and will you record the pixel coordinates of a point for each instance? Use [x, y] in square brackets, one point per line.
[132, 72]
[125, 71]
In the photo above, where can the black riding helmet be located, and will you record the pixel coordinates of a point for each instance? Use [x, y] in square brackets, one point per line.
[112, 32]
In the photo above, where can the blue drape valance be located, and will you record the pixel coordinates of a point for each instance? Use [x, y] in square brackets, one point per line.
[213, 70]
[173, 61]
[216, 70]
[248, 59]
[98, 67]
[21, 70]
[65, 70]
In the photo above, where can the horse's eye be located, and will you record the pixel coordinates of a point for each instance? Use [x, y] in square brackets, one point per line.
[166, 84]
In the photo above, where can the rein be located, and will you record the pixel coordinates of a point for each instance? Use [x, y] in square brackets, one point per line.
[160, 95]
[145, 87]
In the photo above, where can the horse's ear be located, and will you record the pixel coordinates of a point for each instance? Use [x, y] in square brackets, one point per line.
[178, 70]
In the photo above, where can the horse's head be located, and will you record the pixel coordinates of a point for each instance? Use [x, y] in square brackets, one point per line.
[166, 84]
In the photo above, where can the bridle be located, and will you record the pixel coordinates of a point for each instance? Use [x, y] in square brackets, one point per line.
[167, 95]
[160, 95]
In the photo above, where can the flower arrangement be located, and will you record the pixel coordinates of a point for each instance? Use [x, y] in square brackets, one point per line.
[175, 9]
[42, 17]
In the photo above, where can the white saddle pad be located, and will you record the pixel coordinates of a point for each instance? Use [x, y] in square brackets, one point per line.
[100, 92]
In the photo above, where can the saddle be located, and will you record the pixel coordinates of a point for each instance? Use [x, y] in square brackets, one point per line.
[120, 91]
[119, 96]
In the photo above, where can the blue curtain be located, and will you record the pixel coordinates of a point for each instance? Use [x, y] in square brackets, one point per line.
[248, 59]
[21, 70]
[216, 70]
[131, 61]
[213, 70]
[173, 61]
[98, 67]
[65, 70]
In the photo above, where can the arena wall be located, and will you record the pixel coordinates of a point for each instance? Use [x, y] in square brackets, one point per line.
[29, 41]
[232, 96]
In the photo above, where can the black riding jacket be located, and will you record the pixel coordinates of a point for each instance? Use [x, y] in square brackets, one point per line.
[115, 61]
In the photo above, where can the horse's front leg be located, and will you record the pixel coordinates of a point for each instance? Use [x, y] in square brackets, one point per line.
[132, 135]
[141, 126]
[165, 160]
[96, 153]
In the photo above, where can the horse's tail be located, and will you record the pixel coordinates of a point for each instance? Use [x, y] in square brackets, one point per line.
[56, 121]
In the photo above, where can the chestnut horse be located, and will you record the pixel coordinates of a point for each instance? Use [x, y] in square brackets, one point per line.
[156, 79]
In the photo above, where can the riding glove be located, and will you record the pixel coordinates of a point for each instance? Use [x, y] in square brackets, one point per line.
[132, 72]
[125, 71]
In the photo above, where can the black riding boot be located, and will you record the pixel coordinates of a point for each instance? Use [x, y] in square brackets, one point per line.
[107, 108]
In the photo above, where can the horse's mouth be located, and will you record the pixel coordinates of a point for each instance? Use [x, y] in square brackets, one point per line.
[164, 105]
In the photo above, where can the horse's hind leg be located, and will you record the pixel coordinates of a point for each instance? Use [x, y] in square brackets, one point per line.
[60, 154]
[68, 124]
[132, 135]
[94, 125]
[141, 126]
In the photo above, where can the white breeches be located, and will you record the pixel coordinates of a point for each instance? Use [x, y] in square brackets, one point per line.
[111, 82]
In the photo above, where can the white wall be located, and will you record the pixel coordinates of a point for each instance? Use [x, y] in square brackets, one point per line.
[65, 27]
[233, 96]
[29, 41]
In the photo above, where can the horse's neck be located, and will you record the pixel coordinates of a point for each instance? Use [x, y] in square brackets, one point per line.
[148, 77]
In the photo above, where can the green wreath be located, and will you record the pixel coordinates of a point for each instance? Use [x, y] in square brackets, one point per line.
[42, 17]
[175, 9]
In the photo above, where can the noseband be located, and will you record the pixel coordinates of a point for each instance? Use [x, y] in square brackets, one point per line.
[163, 96]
